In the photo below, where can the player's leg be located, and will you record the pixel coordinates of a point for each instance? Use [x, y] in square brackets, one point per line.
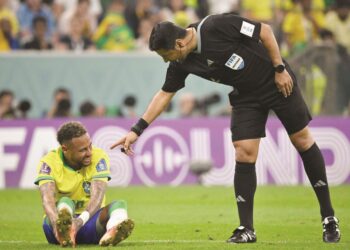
[114, 218]
[247, 127]
[245, 187]
[294, 114]
[315, 169]
[65, 209]
[91, 232]
[110, 224]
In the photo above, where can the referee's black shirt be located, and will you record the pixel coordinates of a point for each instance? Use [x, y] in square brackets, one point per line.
[228, 52]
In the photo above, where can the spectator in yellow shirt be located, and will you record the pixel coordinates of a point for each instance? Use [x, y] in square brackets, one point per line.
[8, 28]
[338, 22]
[302, 25]
[113, 33]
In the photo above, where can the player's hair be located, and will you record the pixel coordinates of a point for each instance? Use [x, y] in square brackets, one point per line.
[6, 92]
[39, 19]
[164, 35]
[61, 90]
[70, 130]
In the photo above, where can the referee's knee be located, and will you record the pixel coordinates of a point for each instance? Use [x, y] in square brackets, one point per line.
[244, 153]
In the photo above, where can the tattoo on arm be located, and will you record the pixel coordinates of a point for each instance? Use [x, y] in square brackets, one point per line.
[98, 189]
[47, 192]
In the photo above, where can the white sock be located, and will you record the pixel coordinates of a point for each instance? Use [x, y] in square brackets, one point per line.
[64, 205]
[117, 216]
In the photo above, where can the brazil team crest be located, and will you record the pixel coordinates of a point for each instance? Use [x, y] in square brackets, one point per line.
[101, 165]
[86, 187]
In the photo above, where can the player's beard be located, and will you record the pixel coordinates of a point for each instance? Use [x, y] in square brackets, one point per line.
[86, 161]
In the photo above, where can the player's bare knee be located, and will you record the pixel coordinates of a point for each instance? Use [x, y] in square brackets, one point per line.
[302, 140]
[245, 153]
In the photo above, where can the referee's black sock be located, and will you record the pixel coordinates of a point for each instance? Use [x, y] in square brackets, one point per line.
[245, 186]
[316, 171]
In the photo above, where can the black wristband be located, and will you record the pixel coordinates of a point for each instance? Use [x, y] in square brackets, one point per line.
[139, 127]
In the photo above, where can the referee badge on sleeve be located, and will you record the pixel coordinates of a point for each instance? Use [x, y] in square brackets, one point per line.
[235, 62]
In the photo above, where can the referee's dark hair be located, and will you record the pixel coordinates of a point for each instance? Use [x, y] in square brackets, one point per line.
[70, 130]
[164, 35]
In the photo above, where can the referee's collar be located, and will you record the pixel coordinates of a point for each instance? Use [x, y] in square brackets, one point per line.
[199, 41]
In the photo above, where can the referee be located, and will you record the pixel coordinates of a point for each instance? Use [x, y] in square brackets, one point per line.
[244, 54]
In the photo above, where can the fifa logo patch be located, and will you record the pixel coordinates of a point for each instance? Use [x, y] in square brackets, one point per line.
[235, 62]
[86, 187]
[45, 169]
[101, 165]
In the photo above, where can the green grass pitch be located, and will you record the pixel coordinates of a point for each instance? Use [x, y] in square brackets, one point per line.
[190, 217]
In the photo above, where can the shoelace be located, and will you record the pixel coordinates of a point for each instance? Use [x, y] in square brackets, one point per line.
[331, 227]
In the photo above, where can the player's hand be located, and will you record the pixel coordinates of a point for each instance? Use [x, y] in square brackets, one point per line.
[76, 225]
[284, 83]
[59, 237]
[126, 142]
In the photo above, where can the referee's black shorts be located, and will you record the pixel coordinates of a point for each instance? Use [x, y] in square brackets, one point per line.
[250, 111]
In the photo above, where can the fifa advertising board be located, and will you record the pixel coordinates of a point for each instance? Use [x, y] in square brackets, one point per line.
[166, 151]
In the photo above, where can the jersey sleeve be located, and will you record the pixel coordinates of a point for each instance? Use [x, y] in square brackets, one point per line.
[175, 78]
[44, 173]
[239, 27]
[101, 171]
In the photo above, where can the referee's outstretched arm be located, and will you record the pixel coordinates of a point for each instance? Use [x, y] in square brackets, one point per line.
[158, 104]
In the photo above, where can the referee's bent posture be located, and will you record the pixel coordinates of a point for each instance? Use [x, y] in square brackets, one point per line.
[244, 54]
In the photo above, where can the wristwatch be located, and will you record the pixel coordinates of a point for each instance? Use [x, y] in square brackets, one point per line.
[280, 68]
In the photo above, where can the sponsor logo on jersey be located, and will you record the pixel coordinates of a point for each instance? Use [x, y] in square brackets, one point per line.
[45, 169]
[247, 29]
[209, 62]
[235, 62]
[101, 165]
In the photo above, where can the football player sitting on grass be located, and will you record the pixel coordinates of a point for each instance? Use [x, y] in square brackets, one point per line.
[72, 180]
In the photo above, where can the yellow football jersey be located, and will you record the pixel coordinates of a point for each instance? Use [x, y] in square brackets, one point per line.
[74, 184]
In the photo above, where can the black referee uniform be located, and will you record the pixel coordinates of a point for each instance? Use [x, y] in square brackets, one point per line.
[229, 52]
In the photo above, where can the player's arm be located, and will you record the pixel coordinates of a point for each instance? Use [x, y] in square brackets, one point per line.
[98, 190]
[47, 192]
[158, 104]
[283, 80]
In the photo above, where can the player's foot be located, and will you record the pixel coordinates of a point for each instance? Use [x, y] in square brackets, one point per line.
[64, 224]
[242, 235]
[117, 233]
[331, 232]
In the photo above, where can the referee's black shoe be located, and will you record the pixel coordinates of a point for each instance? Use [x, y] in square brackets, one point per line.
[331, 232]
[242, 235]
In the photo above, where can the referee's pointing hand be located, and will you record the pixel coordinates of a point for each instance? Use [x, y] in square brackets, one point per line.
[126, 142]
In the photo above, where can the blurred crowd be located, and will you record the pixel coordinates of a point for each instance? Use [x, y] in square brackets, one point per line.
[125, 25]
[120, 25]
[187, 106]
[11, 108]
